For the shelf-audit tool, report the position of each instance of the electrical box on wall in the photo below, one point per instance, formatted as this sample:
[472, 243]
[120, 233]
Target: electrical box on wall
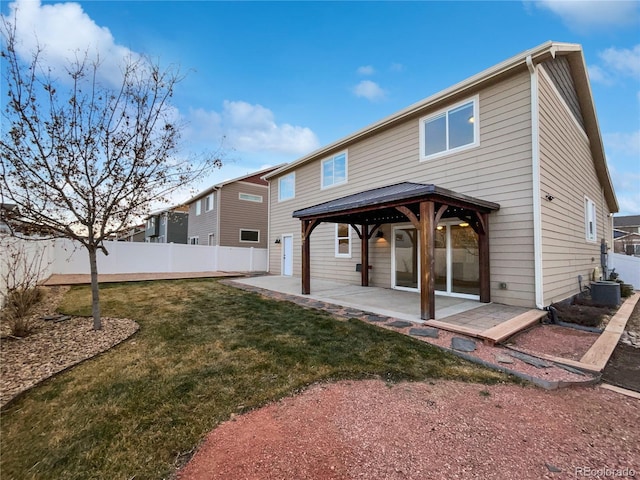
[502, 286]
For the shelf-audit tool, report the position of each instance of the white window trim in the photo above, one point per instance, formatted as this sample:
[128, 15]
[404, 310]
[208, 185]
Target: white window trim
[198, 207]
[210, 203]
[346, 170]
[249, 230]
[197, 240]
[337, 243]
[210, 239]
[476, 128]
[280, 199]
[250, 197]
[590, 214]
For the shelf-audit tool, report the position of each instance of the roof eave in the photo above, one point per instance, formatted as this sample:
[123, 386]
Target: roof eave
[587, 105]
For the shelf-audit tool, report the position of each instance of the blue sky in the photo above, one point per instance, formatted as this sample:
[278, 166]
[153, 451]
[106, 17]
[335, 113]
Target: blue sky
[279, 80]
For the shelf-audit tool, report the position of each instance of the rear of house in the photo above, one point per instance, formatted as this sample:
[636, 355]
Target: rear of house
[521, 135]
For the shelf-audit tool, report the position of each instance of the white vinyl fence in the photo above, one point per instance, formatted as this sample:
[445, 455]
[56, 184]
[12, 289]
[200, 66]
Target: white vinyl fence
[62, 256]
[627, 266]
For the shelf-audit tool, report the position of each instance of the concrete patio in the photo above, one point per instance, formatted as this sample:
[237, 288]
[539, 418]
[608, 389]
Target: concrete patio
[460, 315]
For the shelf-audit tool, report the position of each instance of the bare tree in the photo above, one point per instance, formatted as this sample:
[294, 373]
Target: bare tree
[82, 159]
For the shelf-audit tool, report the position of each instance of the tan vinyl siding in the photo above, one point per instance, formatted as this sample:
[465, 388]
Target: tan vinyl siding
[498, 170]
[568, 174]
[204, 224]
[239, 214]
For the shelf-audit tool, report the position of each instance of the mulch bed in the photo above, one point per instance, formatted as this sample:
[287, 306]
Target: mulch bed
[53, 346]
[623, 369]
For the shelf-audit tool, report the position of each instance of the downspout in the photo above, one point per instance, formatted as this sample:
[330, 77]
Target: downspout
[217, 198]
[535, 158]
[269, 226]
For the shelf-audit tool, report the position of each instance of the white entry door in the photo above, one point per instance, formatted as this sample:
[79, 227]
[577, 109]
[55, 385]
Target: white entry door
[287, 255]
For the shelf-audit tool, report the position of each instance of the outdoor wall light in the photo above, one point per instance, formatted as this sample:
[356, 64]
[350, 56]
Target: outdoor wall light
[549, 197]
[277, 240]
[464, 224]
[379, 234]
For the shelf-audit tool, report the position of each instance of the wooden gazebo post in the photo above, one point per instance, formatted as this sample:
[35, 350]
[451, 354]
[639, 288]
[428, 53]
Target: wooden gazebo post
[483, 257]
[427, 261]
[307, 228]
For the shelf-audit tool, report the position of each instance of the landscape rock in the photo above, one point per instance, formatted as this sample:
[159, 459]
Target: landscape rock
[424, 332]
[399, 324]
[503, 359]
[463, 344]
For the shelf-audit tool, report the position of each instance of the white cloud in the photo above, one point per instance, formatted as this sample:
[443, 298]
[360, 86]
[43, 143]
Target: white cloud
[625, 174]
[251, 128]
[629, 203]
[598, 75]
[396, 67]
[369, 90]
[627, 144]
[366, 70]
[615, 65]
[582, 16]
[623, 61]
[65, 32]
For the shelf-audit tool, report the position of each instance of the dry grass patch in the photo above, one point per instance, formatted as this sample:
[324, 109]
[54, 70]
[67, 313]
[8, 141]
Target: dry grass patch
[204, 352]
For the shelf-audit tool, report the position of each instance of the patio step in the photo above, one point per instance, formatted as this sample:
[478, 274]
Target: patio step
[506, 329]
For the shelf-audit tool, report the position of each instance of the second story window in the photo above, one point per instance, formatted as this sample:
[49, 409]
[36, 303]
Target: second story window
[287, 187]
[198, 211]
[248, 197]
[449, 130]
[208, 203]
[334, 170]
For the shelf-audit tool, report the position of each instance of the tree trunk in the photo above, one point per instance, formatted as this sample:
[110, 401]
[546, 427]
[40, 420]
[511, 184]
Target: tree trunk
[95, 293]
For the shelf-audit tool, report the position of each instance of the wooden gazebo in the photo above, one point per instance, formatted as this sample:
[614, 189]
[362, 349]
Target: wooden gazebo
[424, 205]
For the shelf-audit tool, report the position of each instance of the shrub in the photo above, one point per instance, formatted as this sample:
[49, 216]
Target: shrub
[18, 305]
[21, 267]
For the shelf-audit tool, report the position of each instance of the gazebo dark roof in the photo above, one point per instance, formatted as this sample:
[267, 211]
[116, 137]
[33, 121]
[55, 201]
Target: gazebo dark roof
[378, 204]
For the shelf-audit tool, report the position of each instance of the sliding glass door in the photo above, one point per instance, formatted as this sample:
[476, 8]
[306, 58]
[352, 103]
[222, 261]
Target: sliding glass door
[456, 259]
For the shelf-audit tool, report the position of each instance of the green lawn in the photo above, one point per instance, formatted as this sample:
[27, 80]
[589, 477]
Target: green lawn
[204, 351]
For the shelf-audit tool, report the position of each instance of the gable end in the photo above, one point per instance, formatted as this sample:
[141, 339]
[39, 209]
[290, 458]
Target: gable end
[560, 74]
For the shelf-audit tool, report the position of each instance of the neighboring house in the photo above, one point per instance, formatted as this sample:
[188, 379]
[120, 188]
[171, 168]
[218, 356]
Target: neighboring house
[12, 223]
[231, 214]
[627, 235]
[167, 226]
[494, 189]
[133, 234]
[8, 212]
